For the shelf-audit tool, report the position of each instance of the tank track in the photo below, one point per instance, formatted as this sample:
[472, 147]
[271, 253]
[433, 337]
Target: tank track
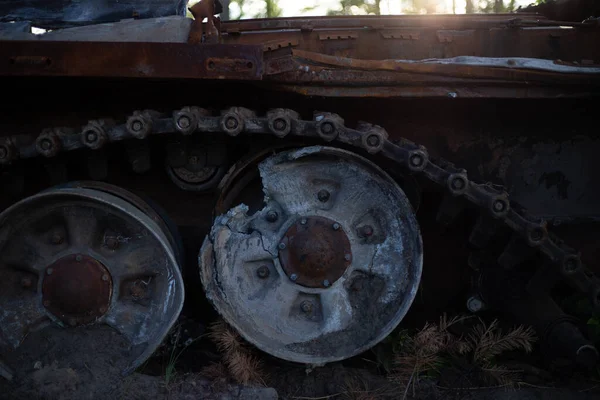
[492, 200]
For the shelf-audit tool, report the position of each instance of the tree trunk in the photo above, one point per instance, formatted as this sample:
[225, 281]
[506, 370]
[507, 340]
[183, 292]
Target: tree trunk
[470, 8]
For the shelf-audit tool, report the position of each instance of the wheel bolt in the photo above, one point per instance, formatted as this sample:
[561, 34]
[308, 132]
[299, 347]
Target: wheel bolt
[326, 283]
[272, 216]
[49, 271]
[78, 258]
[365, 231]
[294, 277]
[347, 257]
[303, 221]
[263, 272]
[306, 307]
[102, 310]
[323, 195]
[105, 278]
[281, 246]
[111, 242]
[336, 226]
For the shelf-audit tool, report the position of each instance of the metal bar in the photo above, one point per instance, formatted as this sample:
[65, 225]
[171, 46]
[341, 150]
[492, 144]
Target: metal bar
[131, 60]
[375, 22]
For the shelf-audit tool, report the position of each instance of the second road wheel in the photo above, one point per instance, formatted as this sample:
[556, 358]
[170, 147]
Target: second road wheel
[85, 255]
[327, 268]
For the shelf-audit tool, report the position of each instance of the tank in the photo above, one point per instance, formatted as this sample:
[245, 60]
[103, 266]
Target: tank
[320, 180]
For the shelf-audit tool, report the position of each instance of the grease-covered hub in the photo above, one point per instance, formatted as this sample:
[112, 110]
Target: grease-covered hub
[315, 252]
[77, 289]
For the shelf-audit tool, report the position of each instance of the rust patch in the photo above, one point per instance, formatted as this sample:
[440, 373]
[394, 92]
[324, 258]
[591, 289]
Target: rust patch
[77, 289]
[315, 252]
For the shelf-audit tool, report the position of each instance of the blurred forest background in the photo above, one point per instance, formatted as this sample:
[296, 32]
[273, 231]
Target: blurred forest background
[243, 9]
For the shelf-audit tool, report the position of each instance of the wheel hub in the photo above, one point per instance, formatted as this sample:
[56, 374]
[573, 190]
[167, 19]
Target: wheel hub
[315, 252]
[77, 289]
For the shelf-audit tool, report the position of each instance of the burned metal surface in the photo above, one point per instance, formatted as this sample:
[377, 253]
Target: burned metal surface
[246, 265]
[131, 60]
[315, 251]
[77, 289]
[72, 255]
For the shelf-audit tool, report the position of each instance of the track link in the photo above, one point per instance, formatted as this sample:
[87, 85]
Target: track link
[492, 200]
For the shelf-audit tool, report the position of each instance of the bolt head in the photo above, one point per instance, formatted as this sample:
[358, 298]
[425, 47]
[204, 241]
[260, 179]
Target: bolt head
[102, 309]
[137, 125]
[366, 231]
[184, 122]
[231, 123]
[373, 140]
[263, 272]
[323, 195]
[111, 242]
[458, 184]
[91, 137]
[306, 307]
[49, 271]
[281, 246]
[416, 160]
[499, 206]
[272, 216]
[78, 258]
[336, 226]
[347, 257]
[326, 283]
[279, 124]
[105, 278]
[303, 221]
[46, 144]
[294, 277]
[327, 128]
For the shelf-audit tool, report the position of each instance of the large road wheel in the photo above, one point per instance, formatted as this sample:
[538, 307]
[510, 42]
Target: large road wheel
[88, 254]
[327, 268]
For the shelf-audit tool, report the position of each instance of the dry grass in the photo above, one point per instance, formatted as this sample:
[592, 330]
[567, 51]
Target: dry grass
[239, 360]
[434, 346]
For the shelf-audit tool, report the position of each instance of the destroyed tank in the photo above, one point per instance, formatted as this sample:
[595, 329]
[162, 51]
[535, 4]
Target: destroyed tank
[318, 179]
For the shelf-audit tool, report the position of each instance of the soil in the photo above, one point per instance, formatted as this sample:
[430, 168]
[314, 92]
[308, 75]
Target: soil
[86, 363]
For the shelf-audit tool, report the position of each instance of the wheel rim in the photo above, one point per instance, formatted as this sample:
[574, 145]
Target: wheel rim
[327, 268]
[77, 256]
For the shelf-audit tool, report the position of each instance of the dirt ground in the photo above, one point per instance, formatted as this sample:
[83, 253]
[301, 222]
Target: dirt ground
[86, 363]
